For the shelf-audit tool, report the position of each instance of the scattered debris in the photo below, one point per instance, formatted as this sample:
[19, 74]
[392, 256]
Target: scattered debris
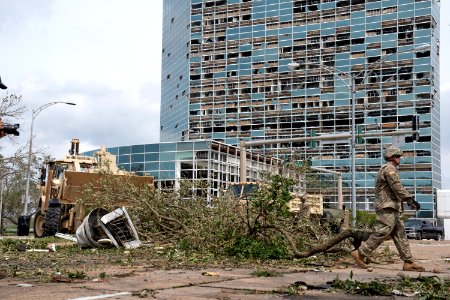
[101, 229]
[59, 278]
[437, 271]
[77, 275]
[369, 269]
[102, 296]
[120, 229]
[69, 237]
[300, 287]
[22, 247]
[144, 293]
[91, 231]
[24, 285]
[372, 288]
[210, 274]
[427, 287]
[405, 294]
[51, 247]
[319, 269]
[106, 242]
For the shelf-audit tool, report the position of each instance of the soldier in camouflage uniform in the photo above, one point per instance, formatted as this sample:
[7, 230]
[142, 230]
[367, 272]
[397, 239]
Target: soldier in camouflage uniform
[389, 197]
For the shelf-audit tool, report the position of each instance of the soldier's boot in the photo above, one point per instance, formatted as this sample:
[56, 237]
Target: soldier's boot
[3, 275]
[370, 260]
[359, 259]
[412, 266]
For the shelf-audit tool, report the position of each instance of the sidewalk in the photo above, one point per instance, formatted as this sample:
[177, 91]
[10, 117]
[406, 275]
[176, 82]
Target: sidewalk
[228, 283]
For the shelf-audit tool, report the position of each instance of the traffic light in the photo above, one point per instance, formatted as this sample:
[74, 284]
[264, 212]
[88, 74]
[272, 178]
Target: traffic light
[415, 127]
[359, 140]
[313, 144]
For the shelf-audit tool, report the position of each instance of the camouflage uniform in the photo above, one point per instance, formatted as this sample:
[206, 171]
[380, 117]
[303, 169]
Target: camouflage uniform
[389, 197]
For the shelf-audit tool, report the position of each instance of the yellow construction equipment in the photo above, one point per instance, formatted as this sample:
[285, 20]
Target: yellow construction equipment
[62, 182]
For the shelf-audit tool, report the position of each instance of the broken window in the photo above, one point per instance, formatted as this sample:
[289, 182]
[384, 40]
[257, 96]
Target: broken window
[299, 6]
[358, 41]
[389, 30]
[426, 25]
[423, 54]
[373, 59]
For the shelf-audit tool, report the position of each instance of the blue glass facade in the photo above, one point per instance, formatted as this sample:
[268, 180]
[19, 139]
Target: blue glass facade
[175, 70]
[239, 86]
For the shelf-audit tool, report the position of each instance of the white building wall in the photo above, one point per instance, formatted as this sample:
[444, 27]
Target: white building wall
[443, 204]
[443, 210]
[447, 229]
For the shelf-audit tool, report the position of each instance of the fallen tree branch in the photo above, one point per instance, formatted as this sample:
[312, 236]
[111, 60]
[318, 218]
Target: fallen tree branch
[356, 234]
[159, 217]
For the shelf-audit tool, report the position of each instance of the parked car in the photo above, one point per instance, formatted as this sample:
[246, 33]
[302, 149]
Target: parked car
[422, 229]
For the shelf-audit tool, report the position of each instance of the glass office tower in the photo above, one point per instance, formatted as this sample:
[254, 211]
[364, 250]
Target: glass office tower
[225, 77]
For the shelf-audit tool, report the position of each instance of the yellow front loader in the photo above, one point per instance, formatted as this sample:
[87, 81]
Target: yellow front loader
[62, 182]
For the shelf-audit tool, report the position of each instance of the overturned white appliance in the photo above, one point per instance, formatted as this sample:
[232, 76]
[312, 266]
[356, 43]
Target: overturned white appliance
[119, 228]
[101, 229]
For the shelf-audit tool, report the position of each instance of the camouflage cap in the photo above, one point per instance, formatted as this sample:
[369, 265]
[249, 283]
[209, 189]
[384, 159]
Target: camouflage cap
[392, 151]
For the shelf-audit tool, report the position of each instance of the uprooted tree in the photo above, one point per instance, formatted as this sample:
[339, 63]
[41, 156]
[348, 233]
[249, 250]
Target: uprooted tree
[262, 227]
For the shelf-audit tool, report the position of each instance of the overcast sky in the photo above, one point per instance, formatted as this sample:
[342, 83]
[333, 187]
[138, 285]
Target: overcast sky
[105, 55]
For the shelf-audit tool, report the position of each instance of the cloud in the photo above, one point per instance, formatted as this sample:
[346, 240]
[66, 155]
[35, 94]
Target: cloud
[445, 159]
[105, 55]
[102, 116]
[17, 14]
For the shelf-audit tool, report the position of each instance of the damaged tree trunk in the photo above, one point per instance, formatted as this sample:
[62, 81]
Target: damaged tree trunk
[357, 235]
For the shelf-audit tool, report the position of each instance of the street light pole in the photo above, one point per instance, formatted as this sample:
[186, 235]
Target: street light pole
[353, 144]
[30, 146]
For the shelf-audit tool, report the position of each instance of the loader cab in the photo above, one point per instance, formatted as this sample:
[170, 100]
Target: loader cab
[42, 176]
[59, 170]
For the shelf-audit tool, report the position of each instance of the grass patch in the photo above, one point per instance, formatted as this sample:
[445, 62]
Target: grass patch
[265, 273]
[250, 247]
[423, 287]
[77, 275]
[371, 288]
[13, 245]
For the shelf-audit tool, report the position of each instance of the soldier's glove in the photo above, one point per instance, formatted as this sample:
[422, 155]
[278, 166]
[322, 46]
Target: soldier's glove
[415, 204]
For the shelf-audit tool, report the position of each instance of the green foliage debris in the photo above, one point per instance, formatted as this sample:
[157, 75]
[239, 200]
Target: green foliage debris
[422, 287]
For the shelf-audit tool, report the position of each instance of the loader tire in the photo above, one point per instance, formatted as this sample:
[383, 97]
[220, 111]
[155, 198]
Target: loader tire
[52, 218]
[38, 226]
